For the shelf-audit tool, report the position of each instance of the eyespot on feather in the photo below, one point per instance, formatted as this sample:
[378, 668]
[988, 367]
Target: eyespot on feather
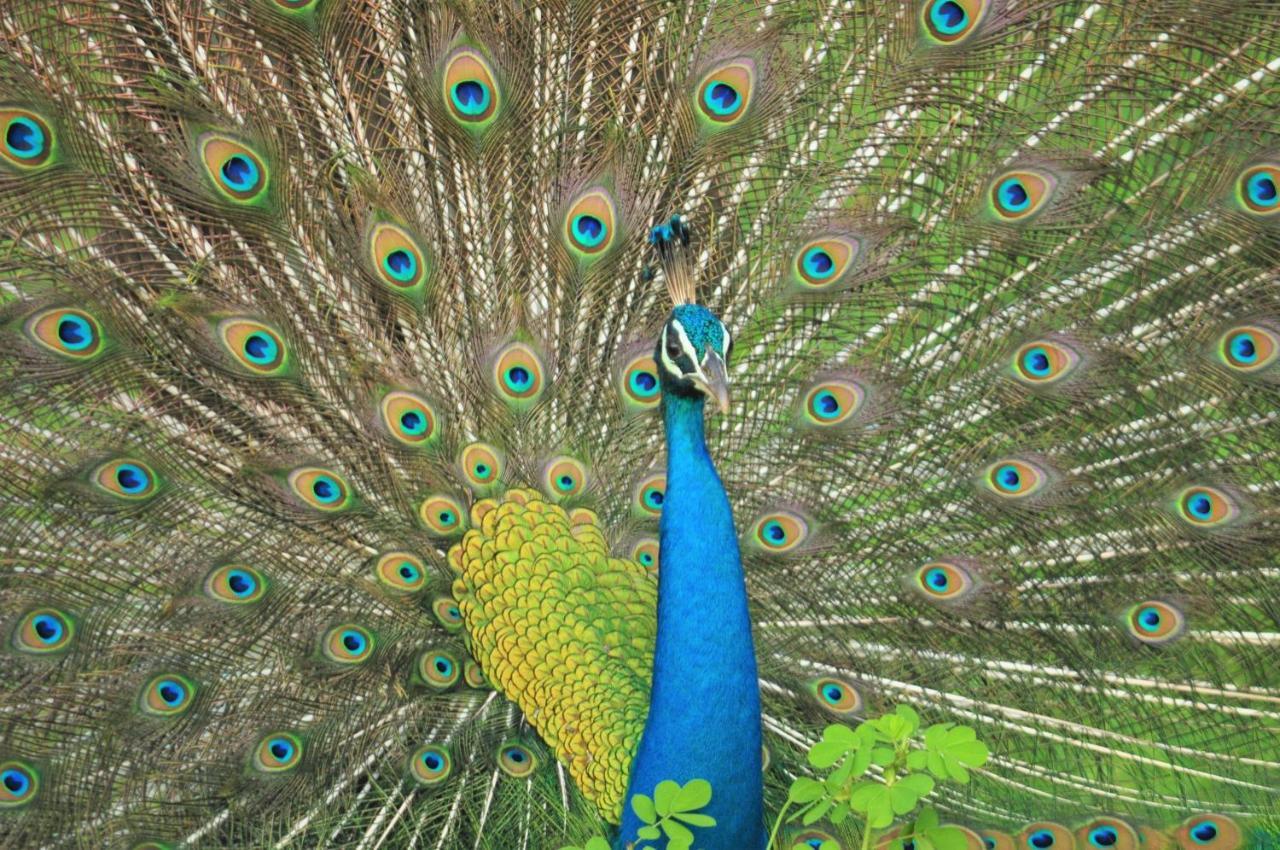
[1013, 479]
[1258, 189]
[237, 172]
[43, 631]
[943, 581]
[649, 494]
[438, 669]
[430, 765]
[409, 418]
[590, 224]
[516, 760]
[1209, 832]
[397, 258]
[28, 139]
[638, 383]
[564, 477]
[237, 584]
[724, 94]
[1043, 361]
[821, 263]
[1206, 507]
[258, 348]
[1248, 348]
[66, 331]
[645, 552]
[126, 478]
[442, 515]
[950, 22]
[778, 532]
[348, 644]
[471, 91]
[518, 375]
[473, 675]
[19, 784]
[1019, 195]
[996, 840]
[321, 489]
[1106, 833]
[810, 838]
[836, 696]
[1045, 835]
[400, 572]
[167, 695]
[447, 612]
[1155, 622]
[832, 402]
[481, 466]
[277, 752]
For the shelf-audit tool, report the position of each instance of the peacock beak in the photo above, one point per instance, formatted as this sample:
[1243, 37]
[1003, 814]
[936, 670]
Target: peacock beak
[716, 383]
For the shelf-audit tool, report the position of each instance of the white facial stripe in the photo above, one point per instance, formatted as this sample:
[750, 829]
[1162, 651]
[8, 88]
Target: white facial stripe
[671, 367]
[688, 349]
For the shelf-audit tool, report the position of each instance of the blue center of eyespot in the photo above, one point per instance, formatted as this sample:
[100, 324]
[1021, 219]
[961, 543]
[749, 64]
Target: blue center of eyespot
[408, 572]
[814, 843]
[949, 17]
[818, 263]
[171, 692]
[1008, 478]
[1149, 619]
[990, 842]
[400, 264]
[653, 497]
[1244, 348]
[16, 782]
[446, 517]
[1204, 832]
[644, 383]
[519, 378]
[588, 230]
[774, 531]
[646, 559]
[353, 641]
[908, 845]
[1262, 190]
[131, 478]
[432, 761]
[515, 755]
[721, 98]
[1013, 195]
[260, 348]
[325, 489]
[1103, 836]
[826, 405]
[1036, 361]
[565, 482]
[1200, 506]
[454, 613]
[240, 582]
[47, 628]
[832, 693]
[1042, 838]
[281, 749]
[239, 172]
[937, 579]
[482, 470]
[24, 138]
[443, 666]
[471, 97]
[413, 423]
[74, 332]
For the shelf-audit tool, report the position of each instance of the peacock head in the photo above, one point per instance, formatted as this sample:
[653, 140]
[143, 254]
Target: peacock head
[691, 355]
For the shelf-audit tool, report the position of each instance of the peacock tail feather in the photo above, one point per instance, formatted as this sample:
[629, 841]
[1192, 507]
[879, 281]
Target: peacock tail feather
[331, 459]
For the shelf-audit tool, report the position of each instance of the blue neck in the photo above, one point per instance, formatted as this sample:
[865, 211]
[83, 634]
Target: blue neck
[704, 712]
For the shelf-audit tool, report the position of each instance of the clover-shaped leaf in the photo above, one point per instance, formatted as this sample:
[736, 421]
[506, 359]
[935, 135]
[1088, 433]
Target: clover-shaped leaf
[953, 751]
[642, 805]
[678, 836]
[695, 794]
[837, 742]
[664, 796]
[804, 790]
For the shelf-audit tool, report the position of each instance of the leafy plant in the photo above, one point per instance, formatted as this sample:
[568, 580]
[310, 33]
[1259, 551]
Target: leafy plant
[910, 767]
[671, 811]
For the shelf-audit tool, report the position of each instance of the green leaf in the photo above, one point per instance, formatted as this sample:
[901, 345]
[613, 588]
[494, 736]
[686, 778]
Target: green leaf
[873, 800]
[917, 760]
[695, 794]
[894, 728]
[927, 819]
[953, 751]
[597, 843]
[649, 832]
[908, 714]
[947, 838]
[695, 819]
[805, 790]
[882, 756]
[664, 796]
[643, 806]
[678, 836]
[817, 812]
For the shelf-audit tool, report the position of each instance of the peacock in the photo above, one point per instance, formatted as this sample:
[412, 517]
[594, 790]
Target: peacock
[440, 424]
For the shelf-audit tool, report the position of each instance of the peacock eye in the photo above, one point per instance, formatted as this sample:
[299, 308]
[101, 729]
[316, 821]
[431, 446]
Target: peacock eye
[673, 348]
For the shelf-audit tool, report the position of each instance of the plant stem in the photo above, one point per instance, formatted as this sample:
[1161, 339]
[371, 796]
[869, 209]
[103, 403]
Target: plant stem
[777, 824]
[866, 837]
